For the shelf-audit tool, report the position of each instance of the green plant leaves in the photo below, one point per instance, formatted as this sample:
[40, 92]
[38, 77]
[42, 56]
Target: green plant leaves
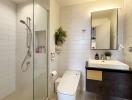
[60, 36]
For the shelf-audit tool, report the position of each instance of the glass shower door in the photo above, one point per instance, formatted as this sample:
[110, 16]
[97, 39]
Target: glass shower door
[40, 51]
[16, 50]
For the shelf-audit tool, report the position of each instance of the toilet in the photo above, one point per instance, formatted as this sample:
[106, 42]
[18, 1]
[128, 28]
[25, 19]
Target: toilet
[69, 86]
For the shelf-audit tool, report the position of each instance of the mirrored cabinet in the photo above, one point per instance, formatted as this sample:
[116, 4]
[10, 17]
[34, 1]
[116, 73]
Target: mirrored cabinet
[104, 30]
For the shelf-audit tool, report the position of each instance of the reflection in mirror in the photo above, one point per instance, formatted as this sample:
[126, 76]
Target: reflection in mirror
[104, 30]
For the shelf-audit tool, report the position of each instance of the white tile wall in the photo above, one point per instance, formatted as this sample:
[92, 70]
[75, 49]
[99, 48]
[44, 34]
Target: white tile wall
[7, 47]
[128, 31]
[76, 50]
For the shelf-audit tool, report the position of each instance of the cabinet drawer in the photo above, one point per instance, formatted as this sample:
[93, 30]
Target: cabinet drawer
[94, 75]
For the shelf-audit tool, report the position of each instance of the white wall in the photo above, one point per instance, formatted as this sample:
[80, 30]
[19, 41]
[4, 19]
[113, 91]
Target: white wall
[128, 31]
[53, 26]
[76, 50]
[7, 47]
[40, 17]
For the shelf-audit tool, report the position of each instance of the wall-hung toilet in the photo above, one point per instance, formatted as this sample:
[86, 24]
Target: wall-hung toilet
[69, 86]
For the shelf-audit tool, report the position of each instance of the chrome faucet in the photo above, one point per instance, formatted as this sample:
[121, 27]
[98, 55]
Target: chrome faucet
[102, 57]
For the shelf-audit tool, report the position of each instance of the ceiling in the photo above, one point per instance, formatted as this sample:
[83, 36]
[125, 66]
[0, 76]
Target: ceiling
[61, 2]
[72, 2]
[19, 1]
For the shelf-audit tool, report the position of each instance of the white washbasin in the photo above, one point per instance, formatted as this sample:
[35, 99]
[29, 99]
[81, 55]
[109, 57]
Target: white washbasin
[108, 64]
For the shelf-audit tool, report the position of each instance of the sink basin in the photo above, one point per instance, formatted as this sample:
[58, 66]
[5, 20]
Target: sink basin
[108, 64]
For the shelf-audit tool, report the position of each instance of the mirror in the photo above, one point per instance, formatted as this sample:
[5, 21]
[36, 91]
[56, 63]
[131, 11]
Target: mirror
[104, 29]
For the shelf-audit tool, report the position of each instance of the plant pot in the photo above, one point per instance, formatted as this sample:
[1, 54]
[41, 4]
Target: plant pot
[108, 57]
[59, 43]
[58, 49]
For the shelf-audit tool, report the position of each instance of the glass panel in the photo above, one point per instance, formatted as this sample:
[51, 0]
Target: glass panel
[16, 50]
[40, 51]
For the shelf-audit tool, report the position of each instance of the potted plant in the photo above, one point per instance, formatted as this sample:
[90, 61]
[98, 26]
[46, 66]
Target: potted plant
[108, 55]
[60, 37]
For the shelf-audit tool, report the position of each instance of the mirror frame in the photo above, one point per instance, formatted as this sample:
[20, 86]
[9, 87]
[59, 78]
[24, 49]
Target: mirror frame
[117, 26]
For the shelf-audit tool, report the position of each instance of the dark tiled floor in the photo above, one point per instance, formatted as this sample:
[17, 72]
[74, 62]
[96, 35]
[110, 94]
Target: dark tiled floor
[88, 96]
[91, 96]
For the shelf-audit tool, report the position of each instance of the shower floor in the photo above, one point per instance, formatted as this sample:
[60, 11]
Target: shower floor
[20, 95]
[26, 92]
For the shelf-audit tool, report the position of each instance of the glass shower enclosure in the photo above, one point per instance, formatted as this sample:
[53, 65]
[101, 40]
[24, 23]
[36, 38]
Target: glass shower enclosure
[23, 50]
[40, 50]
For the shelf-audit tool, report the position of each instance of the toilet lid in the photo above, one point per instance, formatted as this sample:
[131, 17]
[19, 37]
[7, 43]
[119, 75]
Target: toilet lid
[69, 83]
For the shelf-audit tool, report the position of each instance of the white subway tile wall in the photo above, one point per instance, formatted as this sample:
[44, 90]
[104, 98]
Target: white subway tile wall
[7, 47]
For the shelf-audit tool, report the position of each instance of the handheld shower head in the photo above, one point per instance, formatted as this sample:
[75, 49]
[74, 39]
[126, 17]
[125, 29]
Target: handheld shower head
[22, 21]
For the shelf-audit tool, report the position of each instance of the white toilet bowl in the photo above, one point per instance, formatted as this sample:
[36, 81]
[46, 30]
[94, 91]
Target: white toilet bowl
[68, 88]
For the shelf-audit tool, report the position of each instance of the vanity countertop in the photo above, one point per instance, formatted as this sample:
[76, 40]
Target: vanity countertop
[107, 65]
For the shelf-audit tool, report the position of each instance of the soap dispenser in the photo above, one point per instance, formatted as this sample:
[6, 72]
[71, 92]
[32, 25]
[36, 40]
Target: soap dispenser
[97, 56]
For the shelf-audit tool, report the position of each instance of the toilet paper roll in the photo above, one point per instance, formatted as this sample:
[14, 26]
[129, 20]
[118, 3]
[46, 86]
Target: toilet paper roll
[54, 75]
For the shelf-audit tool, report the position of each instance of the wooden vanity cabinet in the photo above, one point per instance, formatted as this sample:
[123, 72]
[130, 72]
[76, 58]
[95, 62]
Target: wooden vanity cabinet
[114, 83]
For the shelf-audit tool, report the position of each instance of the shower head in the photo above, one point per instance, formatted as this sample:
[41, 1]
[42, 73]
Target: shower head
[22, 21]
